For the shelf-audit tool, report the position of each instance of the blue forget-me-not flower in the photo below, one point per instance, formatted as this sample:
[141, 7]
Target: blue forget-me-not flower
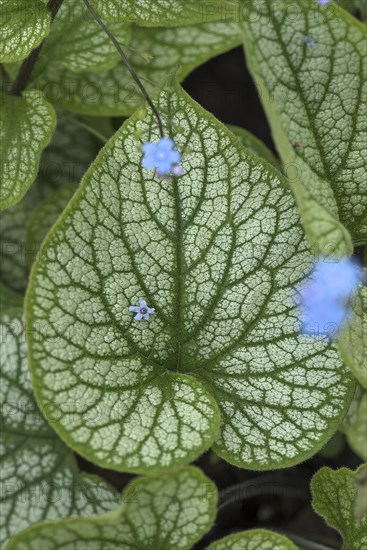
[308, 41]
[324, 300]
[142, 310]
[162, 156]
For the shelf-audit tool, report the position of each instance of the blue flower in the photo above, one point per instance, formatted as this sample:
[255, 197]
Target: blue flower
[142, 310]
[162, 156]
[323, 2]
[308, 41]
[324, 301]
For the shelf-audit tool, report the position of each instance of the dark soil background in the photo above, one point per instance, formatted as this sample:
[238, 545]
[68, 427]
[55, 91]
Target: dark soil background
[281, 499]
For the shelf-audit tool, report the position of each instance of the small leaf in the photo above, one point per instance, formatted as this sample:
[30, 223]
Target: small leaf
[318, 121]
[111, 93]
[340, 496]
[256, 539]
[26, 127]
[152, 13]
[162, 513]
[40, 478]
[352, 342]
[254, 144]
[14, 254]
[23, 25]
[217, 252]
[355, 423]
[78, 43]
[43, 218]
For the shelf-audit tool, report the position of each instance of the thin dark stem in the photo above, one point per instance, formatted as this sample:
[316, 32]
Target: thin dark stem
[128, 65]
[28, 64]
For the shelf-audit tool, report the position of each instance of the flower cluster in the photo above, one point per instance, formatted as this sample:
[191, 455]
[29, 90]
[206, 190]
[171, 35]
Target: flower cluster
[324, 300]
[163, 157]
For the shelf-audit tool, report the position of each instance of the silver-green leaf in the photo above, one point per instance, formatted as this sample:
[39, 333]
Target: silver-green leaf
[308, 62]
[218, 253]
[23, 25]
[169, 512]
[256, 539]
[352, 342]
[78, 43]
[340, 496]
[26, 127]
[154, 53]
[153, 13]
[39, 476]
[355, 423]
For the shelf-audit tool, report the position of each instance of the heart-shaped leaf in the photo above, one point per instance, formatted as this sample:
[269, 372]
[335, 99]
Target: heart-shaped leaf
[308, 62]
[256, 539]
[40, 478]
[340, 496]
[355, 423]
[26, 127]
[23, 25]
[155, 53]
[152, 13]
[77, 42]
[167, 512]
[217, 252]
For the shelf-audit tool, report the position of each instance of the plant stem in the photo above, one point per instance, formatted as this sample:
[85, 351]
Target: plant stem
[128, 65]
[28, 64]
[305, 544]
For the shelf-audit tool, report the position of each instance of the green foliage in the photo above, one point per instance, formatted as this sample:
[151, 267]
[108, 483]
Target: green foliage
[167, 512]
[13, 233]
[155, 54]
[43, 217]
[255, 145]
[340, 496]
[23, 25]
[40, 478]
[314, 97]
[78, 43]
[225, 333]
[355, 423]
[353, 340]
[164, 12]
[26, 127]
[257, 539]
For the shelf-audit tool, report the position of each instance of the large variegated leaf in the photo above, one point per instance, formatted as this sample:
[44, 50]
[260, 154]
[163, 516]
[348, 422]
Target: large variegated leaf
[157, 513]
[353, 340]
[218, 253]
[340, 496]
[314, 94]
[155, 53]
[167, 12]
[26, 127]
[39, 475]
[78, 43]
[23, 25]
[257, 539]
[355, 423]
